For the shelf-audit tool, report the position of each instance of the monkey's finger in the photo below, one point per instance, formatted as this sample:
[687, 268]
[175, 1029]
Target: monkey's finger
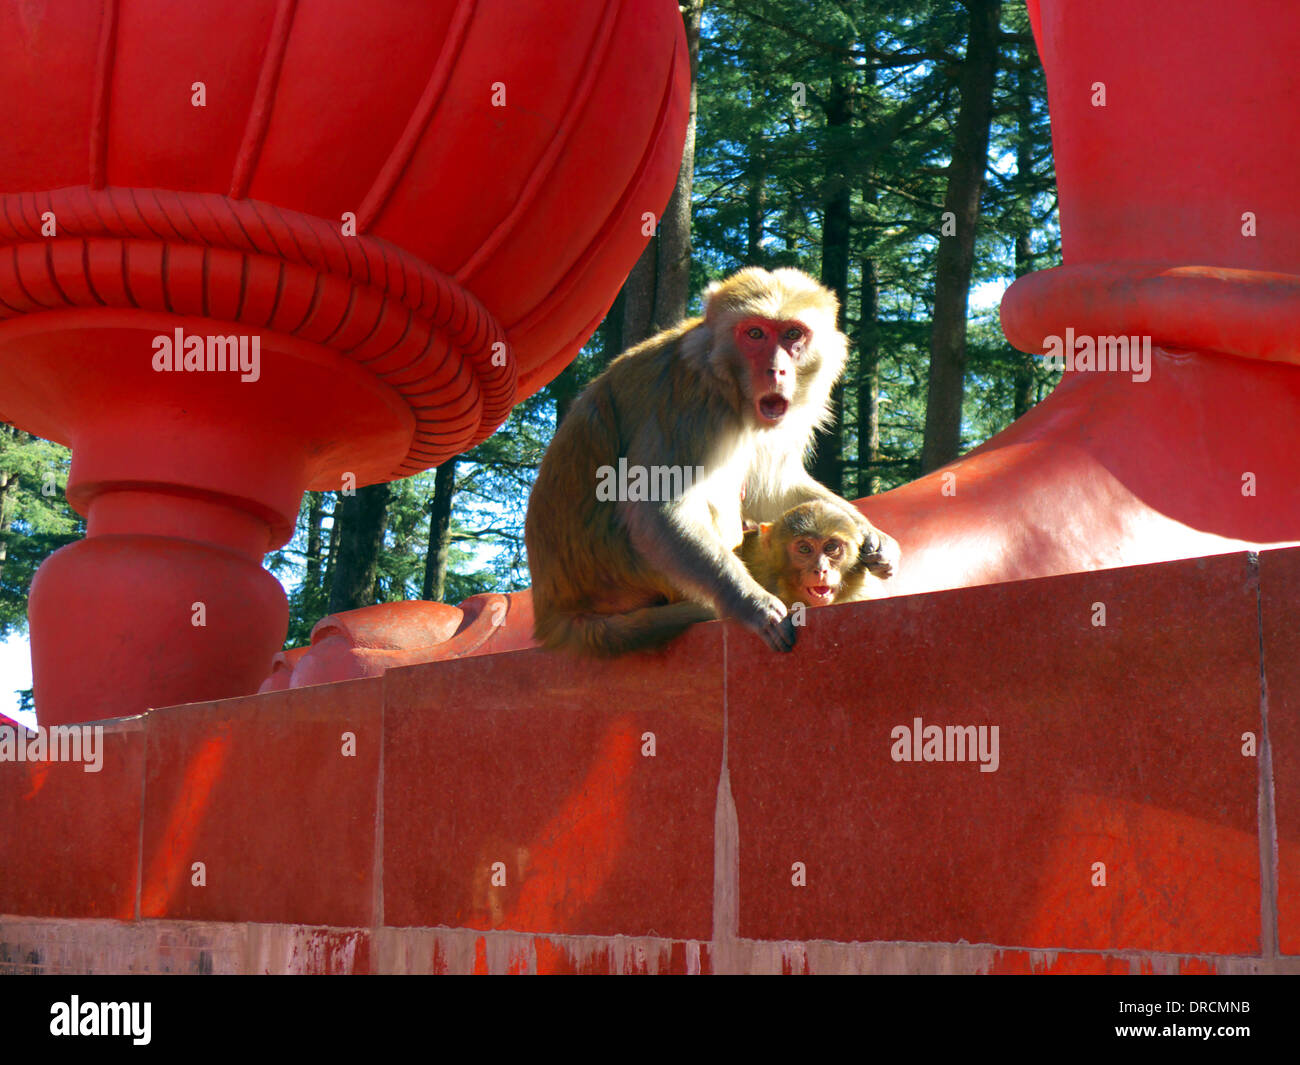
[880, 566]
[781, 636]
[883, 560]
[788, 632]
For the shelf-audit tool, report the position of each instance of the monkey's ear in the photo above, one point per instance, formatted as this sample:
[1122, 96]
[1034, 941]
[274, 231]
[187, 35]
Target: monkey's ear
[706, 298]
[698, 343]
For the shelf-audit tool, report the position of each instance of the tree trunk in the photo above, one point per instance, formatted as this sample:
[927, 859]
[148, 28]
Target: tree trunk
[7, 481]
[611, 334]
[639, 297]
[365, 516]
[332, 545]
[956, 254]
[435, 562]
[868, 383]
[658, 288]
[827, 465]
[756, 204]
[565, 388]
[1024, 376]
[315, 516]
[673, 266]
[9, 488]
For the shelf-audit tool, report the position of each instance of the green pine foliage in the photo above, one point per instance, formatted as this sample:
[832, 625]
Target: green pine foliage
[35, 518]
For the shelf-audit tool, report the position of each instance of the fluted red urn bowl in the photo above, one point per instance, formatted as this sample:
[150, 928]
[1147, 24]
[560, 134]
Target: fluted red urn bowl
[255, 248]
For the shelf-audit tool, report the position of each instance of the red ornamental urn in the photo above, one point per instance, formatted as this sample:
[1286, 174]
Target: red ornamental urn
[260, 247]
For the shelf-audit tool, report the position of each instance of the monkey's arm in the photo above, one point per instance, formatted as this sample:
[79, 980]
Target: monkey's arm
[687, 551]
[758, 561]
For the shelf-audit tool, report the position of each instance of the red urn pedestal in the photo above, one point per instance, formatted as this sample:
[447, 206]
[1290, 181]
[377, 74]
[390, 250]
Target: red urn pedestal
[414, 215]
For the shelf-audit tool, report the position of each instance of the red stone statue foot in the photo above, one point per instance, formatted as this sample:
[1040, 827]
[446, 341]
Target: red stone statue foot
[1109, 472]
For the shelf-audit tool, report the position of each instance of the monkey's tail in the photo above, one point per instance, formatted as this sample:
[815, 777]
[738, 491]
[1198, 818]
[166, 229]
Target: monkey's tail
[616, 634]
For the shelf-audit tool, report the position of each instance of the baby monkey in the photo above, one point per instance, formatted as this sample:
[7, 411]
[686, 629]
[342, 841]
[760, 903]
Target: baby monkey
[812, 555]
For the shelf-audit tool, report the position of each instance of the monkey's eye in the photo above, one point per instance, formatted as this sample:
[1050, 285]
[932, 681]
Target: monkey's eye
[833, 548]
[793, 334]
[755, 333]
[805, 548]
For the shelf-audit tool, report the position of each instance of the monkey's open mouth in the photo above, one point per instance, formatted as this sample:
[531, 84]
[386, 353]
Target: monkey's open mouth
[820, 594]
[772, 408]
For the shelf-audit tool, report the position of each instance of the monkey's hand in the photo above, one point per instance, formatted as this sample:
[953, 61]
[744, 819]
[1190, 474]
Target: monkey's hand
[690, 554]
[769, 618]
[880, 552]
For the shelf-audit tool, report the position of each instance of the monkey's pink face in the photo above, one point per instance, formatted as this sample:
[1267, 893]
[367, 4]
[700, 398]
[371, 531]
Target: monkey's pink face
[772, 349]
[819, 564]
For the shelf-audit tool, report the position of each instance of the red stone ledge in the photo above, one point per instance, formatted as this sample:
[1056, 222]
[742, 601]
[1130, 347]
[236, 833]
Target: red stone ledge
[1118, 744]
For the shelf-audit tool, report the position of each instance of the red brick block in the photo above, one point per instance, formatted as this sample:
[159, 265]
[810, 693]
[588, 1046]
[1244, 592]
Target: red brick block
[264, 793]
[519, 792]
[1279, 578]
[71, 844]
[1119, 756]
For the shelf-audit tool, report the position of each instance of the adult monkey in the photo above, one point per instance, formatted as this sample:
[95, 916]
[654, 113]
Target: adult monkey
[735, 396]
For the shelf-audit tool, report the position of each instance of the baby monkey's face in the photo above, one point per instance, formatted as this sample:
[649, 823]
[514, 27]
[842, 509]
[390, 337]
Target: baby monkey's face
[815, 568]
[813, 555]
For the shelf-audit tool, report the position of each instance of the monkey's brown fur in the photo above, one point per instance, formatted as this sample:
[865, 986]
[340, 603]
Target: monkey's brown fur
[611, 576]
